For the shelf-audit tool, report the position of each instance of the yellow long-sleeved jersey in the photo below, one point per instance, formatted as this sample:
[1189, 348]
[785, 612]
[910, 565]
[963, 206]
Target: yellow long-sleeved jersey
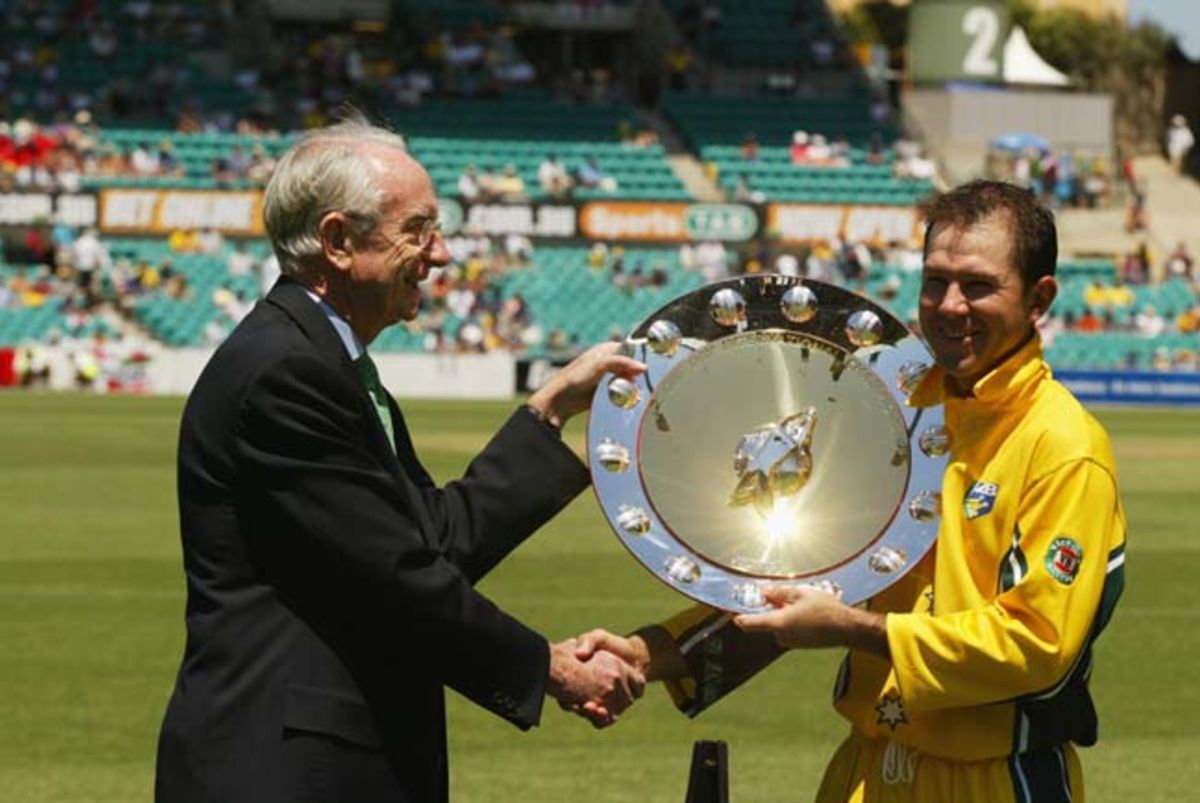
[990, 635]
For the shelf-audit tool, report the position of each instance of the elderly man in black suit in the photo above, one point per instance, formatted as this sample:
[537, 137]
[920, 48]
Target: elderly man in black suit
[330, 582]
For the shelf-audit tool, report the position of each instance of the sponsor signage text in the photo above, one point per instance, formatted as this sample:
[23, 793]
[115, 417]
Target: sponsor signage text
[164, 211]
[25, 208]
[810, 223]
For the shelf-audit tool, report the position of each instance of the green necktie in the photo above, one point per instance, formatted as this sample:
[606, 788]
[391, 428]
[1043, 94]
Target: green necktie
[370, 376]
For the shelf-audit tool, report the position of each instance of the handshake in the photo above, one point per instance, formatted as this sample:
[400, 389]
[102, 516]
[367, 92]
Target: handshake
[598, 675]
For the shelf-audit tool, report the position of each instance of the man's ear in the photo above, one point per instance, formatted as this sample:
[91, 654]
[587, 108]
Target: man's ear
[336, 245]
[1044, 291]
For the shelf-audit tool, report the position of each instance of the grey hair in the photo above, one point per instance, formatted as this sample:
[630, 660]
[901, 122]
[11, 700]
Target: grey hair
[324, 171]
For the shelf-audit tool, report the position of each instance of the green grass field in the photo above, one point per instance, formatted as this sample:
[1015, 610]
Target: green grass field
[91, 628]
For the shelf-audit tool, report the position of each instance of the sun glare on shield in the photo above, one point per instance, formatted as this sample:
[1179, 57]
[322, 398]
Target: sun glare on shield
[780, 524]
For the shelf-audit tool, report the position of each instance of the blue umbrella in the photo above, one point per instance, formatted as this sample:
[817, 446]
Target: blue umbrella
[1020, 142]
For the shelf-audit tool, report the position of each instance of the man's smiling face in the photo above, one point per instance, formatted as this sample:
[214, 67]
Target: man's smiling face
[975, 310]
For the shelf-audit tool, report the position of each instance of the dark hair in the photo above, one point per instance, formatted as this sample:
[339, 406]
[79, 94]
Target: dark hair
[1031, 225]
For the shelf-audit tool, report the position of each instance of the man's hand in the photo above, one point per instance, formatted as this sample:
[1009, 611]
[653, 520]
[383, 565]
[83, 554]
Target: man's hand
[650, 650]
[570, 390]
[599, 689]
[806, 618]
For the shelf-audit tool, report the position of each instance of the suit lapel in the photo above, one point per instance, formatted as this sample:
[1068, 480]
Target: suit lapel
[292, 297]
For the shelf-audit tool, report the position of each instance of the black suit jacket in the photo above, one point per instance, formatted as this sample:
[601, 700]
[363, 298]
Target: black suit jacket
[329, 582]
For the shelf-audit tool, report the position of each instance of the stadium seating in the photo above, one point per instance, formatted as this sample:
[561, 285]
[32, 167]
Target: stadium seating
[1115, 350]
[716, 126]
[135, 57]
[779, 180]
[714, 120]
[640, 173]
[37, 317]
[764, 33]
[526, 115]
[455, 15]
[562, 292]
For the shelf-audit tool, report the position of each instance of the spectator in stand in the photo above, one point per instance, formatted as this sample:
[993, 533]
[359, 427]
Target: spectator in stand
[875, 149]
[1089, 321]
[1023, 170]
[1188, 321]
[268, 273]
[821, 264]
[1049, 177]
[798, 152]
[258, 171]
[1148, 323]
[687, 257]
[1135, 214]
[1179, 142]
[905, 255]
[711, 17]
[168, 162]
[222, 173]
[839, 152]
[658, 274]
[1098, 295]
[510, 187]
[460, 299]
[469, 188]
[1136, 269]
[786, 264]
[209, 241]
[559, 345]
[854, 263]
[822, 50]
[1095, 184]
[616, 266]
[679, 60]
[591, 176]
[183, 241]
[750, 146]
[240, 261]
[819, 152]
[176, 288]
[553, 177]
[890, 289]
[239, 161]
[144, 160]
[90, 257]
[1128, 172]
[1180, 264]
[1161, 359]
[517, 249]
[515, 326]
[712, 258]
[744, 193]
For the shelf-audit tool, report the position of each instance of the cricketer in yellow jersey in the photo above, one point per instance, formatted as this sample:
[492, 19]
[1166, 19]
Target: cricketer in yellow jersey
[967, 680]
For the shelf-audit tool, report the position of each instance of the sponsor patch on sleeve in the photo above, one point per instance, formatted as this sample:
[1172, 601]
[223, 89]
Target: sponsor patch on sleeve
[980, 499]
[1063, 559]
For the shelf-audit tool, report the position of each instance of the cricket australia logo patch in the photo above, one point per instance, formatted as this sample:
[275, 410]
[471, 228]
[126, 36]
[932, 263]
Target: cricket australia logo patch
[891, 711]
[1063, 559]
[980, 499]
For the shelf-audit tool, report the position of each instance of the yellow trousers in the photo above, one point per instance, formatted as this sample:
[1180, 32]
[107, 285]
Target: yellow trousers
[868, 771]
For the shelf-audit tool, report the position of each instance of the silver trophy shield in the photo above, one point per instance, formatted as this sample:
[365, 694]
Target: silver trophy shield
[770, 442]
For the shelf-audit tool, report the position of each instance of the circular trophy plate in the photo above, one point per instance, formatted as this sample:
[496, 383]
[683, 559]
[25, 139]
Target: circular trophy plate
[770, 442]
